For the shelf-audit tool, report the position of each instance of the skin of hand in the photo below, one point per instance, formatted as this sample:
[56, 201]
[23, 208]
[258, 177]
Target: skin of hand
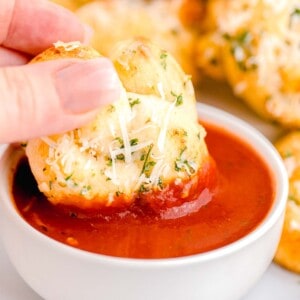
[48, 97]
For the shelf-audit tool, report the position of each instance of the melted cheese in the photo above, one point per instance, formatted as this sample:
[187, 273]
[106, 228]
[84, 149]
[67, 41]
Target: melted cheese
[82, 150]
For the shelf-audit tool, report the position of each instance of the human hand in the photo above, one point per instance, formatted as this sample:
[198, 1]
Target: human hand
[49, 97]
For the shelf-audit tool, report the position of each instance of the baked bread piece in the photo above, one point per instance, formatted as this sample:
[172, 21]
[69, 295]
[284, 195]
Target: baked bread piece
[163, 22]
[288, 252]
[254, 45]
[149, 141]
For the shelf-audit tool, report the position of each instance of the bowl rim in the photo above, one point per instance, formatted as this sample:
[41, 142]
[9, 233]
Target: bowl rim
[210, 115]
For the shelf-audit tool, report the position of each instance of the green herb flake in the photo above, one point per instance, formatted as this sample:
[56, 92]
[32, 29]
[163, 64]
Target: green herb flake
[85, 189]
[243, 37]
[163, 59]
[133, 102]
[120, 140]
[109, 162]
[68, 177]
[149, 166]
[160, 183]
[182, 164]
[293, 198]
[240, 48]
[296, 12]
[178, 98]
[134, 142]
[147, 163]
[111, 108]
[143, 189]
[120, 157]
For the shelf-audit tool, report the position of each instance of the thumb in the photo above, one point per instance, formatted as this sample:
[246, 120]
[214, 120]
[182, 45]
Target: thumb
[54, 96]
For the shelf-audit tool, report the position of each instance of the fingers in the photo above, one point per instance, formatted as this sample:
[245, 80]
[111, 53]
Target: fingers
[12, 58]
[51, 97]
[32, 26]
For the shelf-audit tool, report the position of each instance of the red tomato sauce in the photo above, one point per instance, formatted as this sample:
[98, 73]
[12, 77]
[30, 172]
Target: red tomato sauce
[223, 213]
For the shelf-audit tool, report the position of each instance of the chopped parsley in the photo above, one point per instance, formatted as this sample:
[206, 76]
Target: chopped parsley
[240, 48]
[85, 189]
[108, 161]
[178, 98]
[68, 177]
[120, 157]
[293, 198]
[199, 135]
[133, 102]
[296, 12]
[143, 188]
[182, 164]
[148, 164]
[111, 108]
[163, 59]
[134, 142]
[160, 183]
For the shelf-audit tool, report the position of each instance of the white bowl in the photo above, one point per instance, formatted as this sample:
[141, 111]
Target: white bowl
[56, 271]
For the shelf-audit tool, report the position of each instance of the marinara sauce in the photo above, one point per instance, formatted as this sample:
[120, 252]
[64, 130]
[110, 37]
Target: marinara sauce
[240, 200]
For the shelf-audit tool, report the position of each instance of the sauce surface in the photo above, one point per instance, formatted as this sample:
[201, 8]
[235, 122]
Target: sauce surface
[222, 213]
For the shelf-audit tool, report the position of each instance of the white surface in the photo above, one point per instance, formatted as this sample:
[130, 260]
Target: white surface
[276, 284]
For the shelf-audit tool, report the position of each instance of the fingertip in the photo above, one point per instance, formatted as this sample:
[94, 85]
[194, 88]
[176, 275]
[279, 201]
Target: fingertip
[88, 33]
[35, 25]
[87, 85]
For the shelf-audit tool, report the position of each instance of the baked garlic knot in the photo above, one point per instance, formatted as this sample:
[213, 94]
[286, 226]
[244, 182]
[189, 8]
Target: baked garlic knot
[288, 254]
[147, 146]
[163, 22]
[254, 45]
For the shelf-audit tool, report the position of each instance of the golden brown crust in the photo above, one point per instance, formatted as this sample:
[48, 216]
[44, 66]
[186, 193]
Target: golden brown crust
[288, 252]
[62, 50]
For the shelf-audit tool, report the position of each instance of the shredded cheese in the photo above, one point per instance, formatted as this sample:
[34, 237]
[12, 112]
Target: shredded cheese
[163, 131]
[70, 46]
[160, 89]
[125, 138]
[156, 172]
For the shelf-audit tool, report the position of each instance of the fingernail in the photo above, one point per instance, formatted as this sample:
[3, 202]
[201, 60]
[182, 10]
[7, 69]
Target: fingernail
[87, 85]
[88, 33]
